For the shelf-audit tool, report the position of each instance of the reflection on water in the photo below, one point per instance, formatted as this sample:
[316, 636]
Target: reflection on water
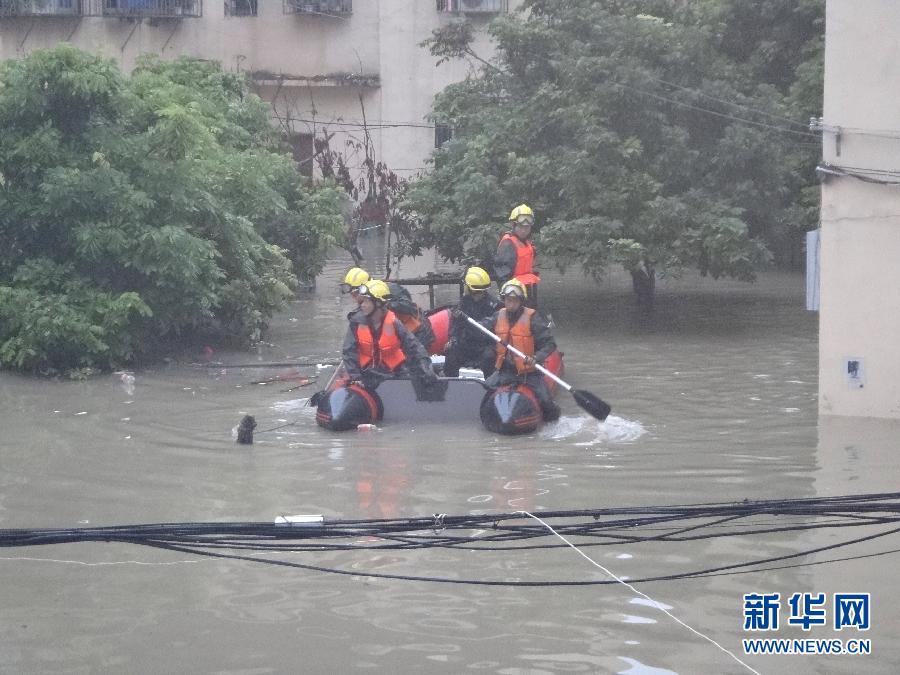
[714, 399]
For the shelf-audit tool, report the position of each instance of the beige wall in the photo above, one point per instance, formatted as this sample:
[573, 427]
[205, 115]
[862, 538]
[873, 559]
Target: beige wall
[860, 244]
[380, 38]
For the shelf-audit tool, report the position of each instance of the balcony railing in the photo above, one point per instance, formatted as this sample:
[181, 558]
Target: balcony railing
[40, 8]
[473, 6]
[333, 7]
[137, 9]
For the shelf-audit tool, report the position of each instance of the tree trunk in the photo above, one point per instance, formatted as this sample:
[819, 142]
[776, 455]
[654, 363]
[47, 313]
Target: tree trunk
[643, 281]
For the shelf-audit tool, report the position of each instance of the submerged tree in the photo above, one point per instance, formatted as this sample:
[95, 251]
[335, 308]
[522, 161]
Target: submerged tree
[136, 210]
[635, 137]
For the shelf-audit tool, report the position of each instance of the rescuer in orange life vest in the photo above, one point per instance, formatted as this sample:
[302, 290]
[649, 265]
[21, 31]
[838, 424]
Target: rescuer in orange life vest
[377, 344]
[515, 253]
[401, 303]
[410, 315]
[526, 330]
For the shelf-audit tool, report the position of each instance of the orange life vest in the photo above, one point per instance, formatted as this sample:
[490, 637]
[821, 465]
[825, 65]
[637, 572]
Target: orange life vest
[524, 269]
[518, 335]
[410, 321]
[387, 351]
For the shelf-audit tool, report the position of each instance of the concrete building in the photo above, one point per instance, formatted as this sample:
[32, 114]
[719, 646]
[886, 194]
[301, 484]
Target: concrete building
[859, 330]
[322, 64]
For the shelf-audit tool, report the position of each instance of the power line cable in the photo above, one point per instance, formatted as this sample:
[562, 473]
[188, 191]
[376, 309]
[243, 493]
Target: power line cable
[700, 92]
[826, 169]
[805, 134]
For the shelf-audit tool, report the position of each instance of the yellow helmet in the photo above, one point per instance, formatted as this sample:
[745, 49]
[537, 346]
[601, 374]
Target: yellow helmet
[514, 287]
[354, 277]
[477, 279]
[375, 289]
[522, 213]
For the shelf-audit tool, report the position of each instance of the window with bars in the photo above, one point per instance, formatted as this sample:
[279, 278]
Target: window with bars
[145, 8]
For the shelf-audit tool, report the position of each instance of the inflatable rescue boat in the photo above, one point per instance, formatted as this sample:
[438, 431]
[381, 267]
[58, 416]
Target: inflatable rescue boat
[510, 409]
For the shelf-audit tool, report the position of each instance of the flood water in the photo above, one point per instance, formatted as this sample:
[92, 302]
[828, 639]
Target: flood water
[714, 400]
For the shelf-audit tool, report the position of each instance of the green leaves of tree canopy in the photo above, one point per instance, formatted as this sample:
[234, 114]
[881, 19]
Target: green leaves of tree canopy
[616, 122]
[134, 210]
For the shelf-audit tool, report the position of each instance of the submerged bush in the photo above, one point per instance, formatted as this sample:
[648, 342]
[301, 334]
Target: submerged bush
[136, 210]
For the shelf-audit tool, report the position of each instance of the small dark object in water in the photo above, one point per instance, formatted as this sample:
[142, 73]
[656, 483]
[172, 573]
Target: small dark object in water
[245, 430]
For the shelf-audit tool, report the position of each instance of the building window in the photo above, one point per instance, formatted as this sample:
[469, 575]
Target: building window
[241, 7]
[442, 134]
[150, 8]
[38, 7]
[302, 150]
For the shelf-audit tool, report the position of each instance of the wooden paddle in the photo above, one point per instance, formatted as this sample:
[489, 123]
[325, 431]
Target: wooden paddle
[594, 406]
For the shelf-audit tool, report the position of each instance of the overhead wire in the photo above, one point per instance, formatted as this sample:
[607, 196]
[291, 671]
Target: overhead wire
[805, 134]
[827, 169]
[744, 106]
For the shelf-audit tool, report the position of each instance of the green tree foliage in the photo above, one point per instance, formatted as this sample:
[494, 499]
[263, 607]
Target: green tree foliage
[137, 210]
[638, 138]
[782, 44]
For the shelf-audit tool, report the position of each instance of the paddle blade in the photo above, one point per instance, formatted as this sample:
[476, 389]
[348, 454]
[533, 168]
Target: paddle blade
[594, 406]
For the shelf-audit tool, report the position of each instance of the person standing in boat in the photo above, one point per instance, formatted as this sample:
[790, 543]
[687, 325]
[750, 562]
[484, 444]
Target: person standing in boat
[377, 344]
[525, 329]
[468, 346]
[515, 253]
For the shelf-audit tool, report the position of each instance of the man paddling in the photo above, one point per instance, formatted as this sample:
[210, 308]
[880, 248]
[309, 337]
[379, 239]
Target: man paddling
[377, 344]
[526, 330]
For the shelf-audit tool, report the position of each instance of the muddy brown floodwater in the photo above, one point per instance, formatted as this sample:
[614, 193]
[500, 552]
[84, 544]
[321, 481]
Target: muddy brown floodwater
[714, 399]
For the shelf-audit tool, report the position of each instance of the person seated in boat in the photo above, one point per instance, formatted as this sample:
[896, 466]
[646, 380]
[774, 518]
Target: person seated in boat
[401, 303]
[378, 346]
[410, 315]
[528, 331]
[468, 346]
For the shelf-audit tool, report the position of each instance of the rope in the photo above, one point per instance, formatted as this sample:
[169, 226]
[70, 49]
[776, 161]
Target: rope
[656, 604]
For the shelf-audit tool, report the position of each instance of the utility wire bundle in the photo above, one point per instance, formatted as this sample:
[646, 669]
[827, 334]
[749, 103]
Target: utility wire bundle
[877, 514]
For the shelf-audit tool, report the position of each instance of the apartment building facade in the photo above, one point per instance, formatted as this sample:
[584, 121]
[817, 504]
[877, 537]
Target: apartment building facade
[325, 66]
[859, 323]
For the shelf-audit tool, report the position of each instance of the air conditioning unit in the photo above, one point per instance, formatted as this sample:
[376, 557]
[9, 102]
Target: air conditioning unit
[472, 6]
[318, 6]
